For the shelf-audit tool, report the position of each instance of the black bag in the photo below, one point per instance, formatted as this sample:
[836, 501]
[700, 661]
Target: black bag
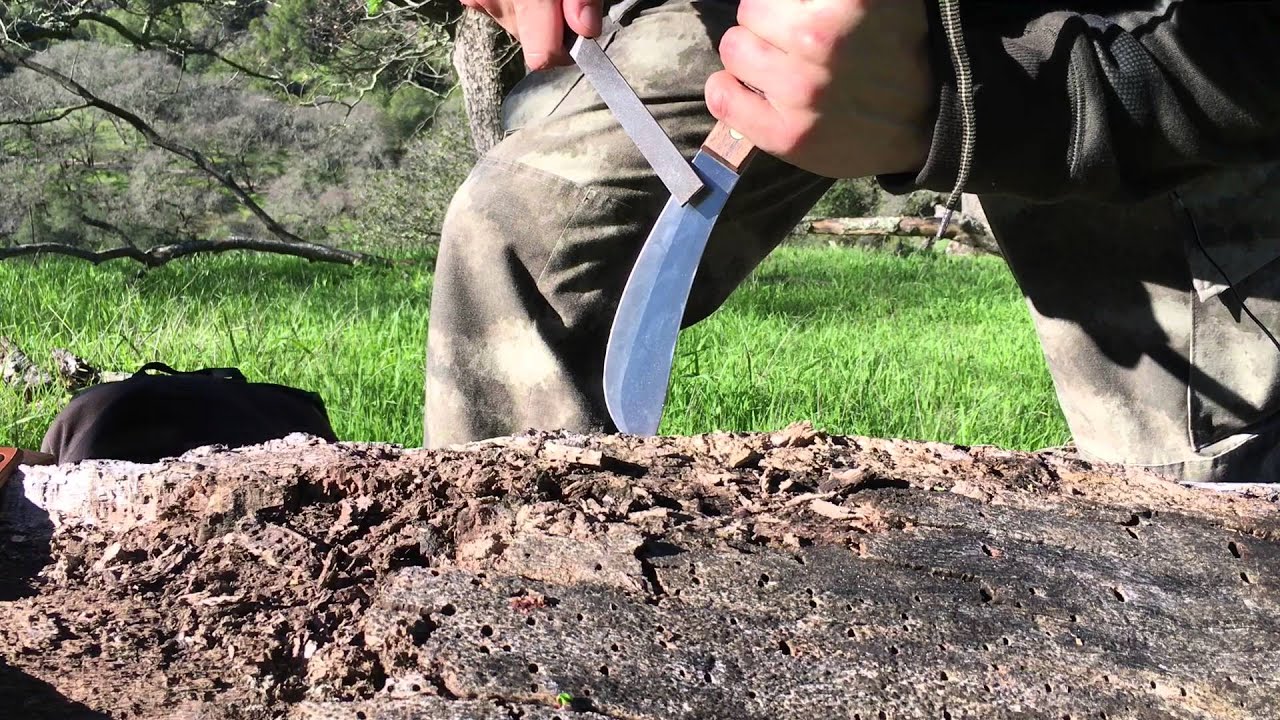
[148, 417]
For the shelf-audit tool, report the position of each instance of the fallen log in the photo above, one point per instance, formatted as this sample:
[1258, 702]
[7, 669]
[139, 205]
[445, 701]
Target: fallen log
[70, 371]
[792, 575]
[17, 370]
[961, 229]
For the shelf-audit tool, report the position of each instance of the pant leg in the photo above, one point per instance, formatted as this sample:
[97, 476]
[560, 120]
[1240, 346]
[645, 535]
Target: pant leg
[539, 241]
[1154, 360]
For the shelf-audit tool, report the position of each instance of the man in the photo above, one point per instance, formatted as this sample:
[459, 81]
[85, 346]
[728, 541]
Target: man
[1125, 152]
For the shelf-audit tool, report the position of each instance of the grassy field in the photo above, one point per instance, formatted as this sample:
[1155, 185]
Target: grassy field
[922, 347]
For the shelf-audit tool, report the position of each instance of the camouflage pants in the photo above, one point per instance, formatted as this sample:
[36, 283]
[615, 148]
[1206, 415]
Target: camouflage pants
[1154, 364]
[1154, 355]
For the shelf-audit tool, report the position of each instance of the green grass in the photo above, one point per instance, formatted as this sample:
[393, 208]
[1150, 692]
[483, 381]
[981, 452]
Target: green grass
[922, 347]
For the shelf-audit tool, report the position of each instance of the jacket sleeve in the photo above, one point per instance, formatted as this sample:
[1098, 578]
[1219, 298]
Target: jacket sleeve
[1113, 107]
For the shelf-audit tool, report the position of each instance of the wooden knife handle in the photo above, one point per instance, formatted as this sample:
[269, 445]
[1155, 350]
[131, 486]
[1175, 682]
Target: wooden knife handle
[10, 458]
[729, 147]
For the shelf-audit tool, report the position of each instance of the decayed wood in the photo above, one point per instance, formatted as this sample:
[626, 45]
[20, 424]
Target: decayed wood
[17, 370]
[792, 574]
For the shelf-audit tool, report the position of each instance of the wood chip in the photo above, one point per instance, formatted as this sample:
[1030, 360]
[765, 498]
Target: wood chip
[969, 490]
[743, 457]
[807, 497]
[107, 556]
[528, 602]
[574, 455]
[830, 510]
[798, 435]
[479, 548]
[849, 477]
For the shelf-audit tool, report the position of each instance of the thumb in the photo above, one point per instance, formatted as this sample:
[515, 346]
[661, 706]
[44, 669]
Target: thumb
[744, 110]
[583, 16]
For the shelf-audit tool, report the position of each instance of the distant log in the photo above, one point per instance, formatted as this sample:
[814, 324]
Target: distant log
[17, 370]
[962, 229]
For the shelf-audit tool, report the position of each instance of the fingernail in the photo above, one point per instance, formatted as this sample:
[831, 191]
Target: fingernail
[589, 16]
[537, 60]
[715, 101]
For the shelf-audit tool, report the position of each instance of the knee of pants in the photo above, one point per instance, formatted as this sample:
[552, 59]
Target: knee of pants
[518, 236]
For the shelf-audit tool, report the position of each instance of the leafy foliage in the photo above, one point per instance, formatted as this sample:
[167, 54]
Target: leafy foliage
[90, 179]
[308, 106]
[403, 207]
[849, 198]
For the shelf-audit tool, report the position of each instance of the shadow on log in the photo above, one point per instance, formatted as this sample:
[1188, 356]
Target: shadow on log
[792, 575]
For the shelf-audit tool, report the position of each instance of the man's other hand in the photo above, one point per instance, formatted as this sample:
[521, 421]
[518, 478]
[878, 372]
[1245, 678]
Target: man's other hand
[539, 25]
[843, 88]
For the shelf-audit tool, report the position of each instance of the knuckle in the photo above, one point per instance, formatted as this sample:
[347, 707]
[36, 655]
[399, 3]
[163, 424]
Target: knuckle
[731, 44]
[817, 42]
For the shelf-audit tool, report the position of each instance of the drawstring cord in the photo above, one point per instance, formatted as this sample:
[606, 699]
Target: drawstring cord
[950, 10]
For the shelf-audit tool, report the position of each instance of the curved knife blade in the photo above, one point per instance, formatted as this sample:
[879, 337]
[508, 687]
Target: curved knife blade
[642, 341]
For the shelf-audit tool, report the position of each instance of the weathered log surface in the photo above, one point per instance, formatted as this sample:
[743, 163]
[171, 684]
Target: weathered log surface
[748, 576]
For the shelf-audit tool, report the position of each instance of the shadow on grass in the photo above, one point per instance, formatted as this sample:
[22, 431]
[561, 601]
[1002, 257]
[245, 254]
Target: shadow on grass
[256, 278]
[265, 279]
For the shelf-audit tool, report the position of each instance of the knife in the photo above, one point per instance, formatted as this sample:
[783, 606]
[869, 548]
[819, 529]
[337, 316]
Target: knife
[642, 341]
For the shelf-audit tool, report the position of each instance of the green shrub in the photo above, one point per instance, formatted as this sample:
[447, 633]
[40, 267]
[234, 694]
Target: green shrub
[849, 198]
[401, 208]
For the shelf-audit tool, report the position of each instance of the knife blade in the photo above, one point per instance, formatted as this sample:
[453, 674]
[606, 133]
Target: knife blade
[642, 341]
[635, 119]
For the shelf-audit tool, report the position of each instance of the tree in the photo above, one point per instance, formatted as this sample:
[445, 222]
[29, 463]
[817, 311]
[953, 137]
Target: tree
[319, 53]
[486, 63]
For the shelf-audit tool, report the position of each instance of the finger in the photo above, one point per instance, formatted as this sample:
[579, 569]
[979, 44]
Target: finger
[541, 32]
[584, 16]
[809, 29]
[747, 112]
[786, 80]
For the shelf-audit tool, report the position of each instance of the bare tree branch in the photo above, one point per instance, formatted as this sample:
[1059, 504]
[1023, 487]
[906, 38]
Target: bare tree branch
[173, 46]
[194, 156]
[157, 256]
[55, 117]
[106, 227]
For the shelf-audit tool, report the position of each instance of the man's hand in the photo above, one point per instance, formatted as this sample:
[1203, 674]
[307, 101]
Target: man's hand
[539, 25]
[844, 86]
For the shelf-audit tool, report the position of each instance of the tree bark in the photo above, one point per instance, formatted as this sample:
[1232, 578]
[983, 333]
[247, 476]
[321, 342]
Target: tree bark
[745, 576]
[482, 58]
